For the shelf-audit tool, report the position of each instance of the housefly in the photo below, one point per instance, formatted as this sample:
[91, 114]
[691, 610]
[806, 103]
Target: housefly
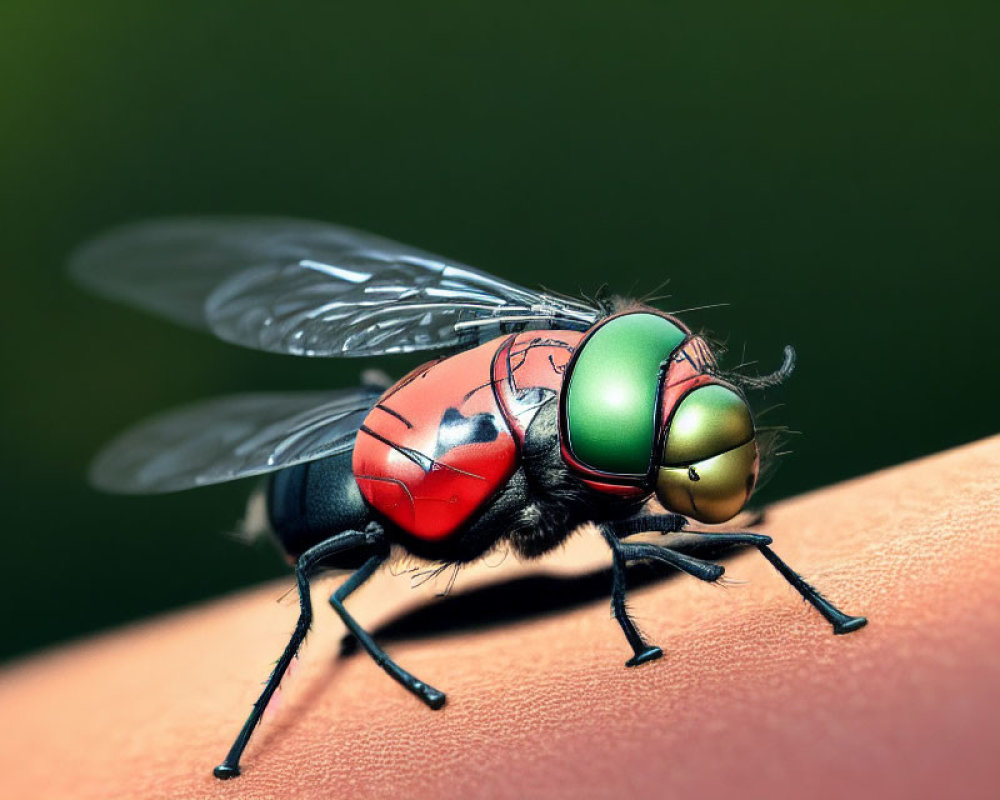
[539, 414]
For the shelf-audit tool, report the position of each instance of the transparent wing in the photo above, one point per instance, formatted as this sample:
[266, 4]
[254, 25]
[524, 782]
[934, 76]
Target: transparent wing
[313, 289]
[231, 437]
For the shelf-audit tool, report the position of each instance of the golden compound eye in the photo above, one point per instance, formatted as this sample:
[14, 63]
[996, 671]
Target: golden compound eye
[710, 459]
[708, 421]
[714, 490]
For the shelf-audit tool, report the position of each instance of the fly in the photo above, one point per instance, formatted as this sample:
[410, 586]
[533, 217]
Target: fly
[543, 413]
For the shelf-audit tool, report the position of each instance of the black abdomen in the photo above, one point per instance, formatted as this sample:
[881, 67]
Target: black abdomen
[310, 502]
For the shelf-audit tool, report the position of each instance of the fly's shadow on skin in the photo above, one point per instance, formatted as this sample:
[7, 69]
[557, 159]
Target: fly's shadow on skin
[530, 597]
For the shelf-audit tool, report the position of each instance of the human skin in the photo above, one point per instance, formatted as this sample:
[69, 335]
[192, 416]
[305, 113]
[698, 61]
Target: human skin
[754, 696]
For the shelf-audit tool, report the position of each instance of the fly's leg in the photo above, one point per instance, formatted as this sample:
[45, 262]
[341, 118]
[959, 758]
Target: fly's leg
[674, 523]
[842, 623]
[643, 652]
[626, 552]
[702, 570]
[660, 523]
[431, 696]
[667, 523]
[307, 564]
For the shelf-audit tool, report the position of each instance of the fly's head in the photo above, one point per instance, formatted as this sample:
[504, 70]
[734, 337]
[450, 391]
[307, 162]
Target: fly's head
[646, 408]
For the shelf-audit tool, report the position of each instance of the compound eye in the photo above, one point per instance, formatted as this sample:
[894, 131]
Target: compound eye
[712, 490]
[611, 392]
[710, 459]
[710, 420]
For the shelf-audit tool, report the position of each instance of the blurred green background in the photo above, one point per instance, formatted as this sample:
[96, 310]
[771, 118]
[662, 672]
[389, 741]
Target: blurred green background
[829, 169]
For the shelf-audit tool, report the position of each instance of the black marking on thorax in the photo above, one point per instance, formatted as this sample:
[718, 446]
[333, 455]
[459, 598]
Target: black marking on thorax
[456, 430]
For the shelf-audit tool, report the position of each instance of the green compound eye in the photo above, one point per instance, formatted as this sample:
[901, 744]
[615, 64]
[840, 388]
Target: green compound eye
[611, 392]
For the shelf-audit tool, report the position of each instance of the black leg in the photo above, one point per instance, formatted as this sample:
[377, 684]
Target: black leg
[756, 539]
[431, 696]
[661, 523]
[643, 652]
[304, 568]
[842, 623]
[674, 523]
[702, 570]
[625, 553]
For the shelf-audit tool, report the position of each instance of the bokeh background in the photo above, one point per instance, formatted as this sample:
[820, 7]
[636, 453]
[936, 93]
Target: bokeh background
[829, 170]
